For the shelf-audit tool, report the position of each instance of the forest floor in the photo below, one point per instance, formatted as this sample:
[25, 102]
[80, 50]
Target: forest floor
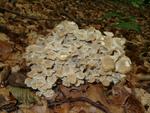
[19, 18]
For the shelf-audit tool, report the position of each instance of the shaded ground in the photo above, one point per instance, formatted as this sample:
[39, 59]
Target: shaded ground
[21, 17]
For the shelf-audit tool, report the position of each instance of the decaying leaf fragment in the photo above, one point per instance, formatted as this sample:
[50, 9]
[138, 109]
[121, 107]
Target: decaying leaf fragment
[5, 50]
[24, 96]
[144, 97]
[4, 73]
[7, 102]
[123, 97]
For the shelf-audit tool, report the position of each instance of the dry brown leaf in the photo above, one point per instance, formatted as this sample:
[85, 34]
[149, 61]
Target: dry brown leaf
[7, 102]
[4, 92]
[17, 79]
[4, 73]
[96, 93]
[123, 98]
[41, 109]
[4, 37]
[64, 108]
[3, 112]
[84, 108]
[74, 91]
[133, 105]
[120, 96]
[5, 50]
[25, 110]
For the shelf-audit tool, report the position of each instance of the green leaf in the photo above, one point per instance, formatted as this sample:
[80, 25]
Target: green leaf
[132, 18]
[136, 3]
[128, 26]
[112, 14]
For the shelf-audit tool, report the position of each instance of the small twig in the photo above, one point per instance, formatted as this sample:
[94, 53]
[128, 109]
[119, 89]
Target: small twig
[10, 33]
[26, 16]
[17, 13]
[71, 17]
[83, 99]
[143, 77]
[131, 42]
[78, 21]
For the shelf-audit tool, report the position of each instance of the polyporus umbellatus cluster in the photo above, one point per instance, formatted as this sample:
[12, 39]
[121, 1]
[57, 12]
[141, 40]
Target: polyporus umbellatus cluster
[75, 56]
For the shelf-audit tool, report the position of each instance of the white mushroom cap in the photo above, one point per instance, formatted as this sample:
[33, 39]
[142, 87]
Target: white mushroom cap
[107, 63]
[123, 65]
[93, 34]
[91, 79]
[117, 77]
[51, 79]
[79, 82]
[80, 75]
[49, 94]
[38, 82]
[72, 78]
[63, 55]
[45, 87]
[28, 82]
[81, 34]
[65, 27]
[66, 82]
[107, 81]
[110, 34]
[51, 55]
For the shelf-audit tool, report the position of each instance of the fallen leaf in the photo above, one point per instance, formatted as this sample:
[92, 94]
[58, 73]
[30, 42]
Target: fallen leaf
[96, 93]
[41, 108]
[24, 96]
[5, 50]
[7, 102]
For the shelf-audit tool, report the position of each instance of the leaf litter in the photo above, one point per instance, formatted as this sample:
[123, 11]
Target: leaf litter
[20, 18]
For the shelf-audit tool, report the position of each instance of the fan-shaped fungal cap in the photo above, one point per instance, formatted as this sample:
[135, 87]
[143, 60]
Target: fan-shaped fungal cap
[123, 65]
[65, 27]
[110, 34]
[107, 63]
[75, 55]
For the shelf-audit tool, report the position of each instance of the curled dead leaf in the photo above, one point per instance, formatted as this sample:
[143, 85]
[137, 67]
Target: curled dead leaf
[24, 96]
[4, 74]
[125, 99]
[7, 101]
[5, 50]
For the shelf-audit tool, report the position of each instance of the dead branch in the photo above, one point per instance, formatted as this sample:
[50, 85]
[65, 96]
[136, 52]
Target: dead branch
[17, 13]
[72, 18]
[26, 16]
[143, 77]
[82, 99]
